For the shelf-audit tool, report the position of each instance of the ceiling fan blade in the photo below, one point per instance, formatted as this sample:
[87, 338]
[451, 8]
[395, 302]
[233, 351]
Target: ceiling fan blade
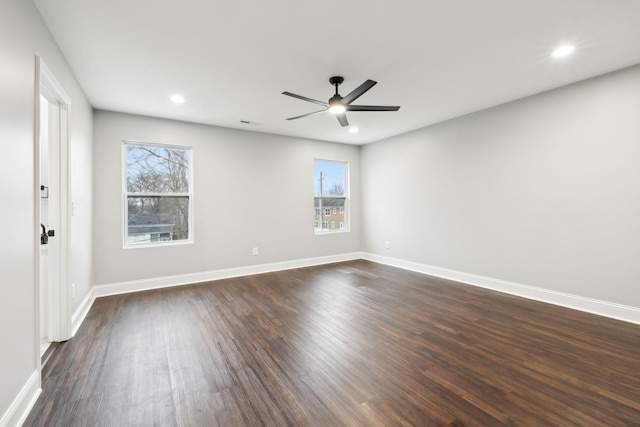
[372, 108]
[308, 114]
[342, 118]
[304, 98]
[357, 92]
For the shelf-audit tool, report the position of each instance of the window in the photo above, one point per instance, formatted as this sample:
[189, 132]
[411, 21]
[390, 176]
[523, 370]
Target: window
[157, 193]
[331, 194]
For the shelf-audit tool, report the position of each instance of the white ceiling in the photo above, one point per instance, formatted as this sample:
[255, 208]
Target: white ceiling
[232, 59]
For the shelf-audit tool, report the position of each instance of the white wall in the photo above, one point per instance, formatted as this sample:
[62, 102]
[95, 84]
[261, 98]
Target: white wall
[543, 192]
[251, 190]
[23, 35]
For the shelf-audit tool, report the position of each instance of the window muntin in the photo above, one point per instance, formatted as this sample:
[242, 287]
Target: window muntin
[157, 193]
[331, 196]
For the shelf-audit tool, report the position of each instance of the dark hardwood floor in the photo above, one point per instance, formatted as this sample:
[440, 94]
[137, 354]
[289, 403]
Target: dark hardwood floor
[348, 344]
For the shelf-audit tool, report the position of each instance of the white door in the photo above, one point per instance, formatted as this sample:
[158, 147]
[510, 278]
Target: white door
[54, 218]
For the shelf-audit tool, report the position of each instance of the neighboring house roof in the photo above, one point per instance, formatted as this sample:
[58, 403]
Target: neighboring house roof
[150, 222]
[328, 203]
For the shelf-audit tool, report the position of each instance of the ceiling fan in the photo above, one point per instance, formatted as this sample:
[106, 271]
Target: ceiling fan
[338, 105]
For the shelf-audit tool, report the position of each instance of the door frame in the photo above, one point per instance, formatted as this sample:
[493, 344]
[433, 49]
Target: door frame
[59, 297]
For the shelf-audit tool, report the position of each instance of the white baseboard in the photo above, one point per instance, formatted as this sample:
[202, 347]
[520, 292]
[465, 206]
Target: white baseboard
[22, 404]
[602, 308]
[206, 276]
[81, 312]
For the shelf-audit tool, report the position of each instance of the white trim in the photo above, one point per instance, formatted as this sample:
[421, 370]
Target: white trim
[346, 196]
[576, 302]
[206, 276]
[157, 144]
[37, 178]
[81, 313]
[51, 85]
[126, 194]
[19, 409]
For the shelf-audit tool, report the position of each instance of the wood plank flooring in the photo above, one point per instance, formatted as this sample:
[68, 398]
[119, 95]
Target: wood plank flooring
[347, 344]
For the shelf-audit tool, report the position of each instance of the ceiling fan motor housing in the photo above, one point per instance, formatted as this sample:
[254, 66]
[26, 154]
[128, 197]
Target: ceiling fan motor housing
[335, 99]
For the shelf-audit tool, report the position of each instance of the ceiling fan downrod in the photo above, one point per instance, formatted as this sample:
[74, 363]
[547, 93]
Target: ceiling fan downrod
[336, 81]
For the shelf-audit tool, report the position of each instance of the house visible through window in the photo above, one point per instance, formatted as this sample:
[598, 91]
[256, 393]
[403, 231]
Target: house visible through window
[331, 195]
[157, 193]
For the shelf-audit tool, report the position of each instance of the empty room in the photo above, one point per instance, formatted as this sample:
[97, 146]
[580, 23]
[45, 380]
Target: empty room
[287, 213]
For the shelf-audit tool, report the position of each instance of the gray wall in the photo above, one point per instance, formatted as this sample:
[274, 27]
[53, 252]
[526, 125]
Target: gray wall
[250, 189]
[544, 191]
[23, 35]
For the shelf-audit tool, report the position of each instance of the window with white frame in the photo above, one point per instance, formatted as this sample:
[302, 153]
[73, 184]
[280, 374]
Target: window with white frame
[331, 195]
[157, 193]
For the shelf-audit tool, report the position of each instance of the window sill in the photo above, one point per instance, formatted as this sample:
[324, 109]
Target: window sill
[322, 233]
[159, 244]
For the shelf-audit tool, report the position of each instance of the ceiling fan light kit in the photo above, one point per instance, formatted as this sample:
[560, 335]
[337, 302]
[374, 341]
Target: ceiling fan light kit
[339, 105]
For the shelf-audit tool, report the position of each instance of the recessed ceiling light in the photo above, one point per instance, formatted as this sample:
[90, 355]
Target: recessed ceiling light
[177, 99]
[563, 51]
[354, 129]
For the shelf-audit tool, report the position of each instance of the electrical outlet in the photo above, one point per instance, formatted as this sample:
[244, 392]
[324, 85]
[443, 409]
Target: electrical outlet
[255, 251]
[386, 245]
[73, 290]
